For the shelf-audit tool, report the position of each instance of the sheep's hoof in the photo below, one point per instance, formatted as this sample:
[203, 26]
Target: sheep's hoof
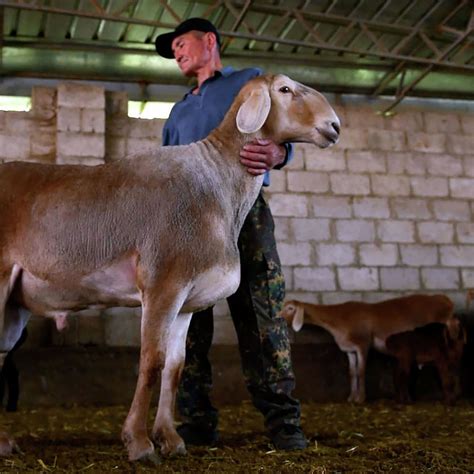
[178, 450]
[8, 445]
[171, 445]
[150, 459]
[356, 400]
[140, 449]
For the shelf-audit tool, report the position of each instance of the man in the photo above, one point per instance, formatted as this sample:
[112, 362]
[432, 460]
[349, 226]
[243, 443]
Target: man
[263, 337]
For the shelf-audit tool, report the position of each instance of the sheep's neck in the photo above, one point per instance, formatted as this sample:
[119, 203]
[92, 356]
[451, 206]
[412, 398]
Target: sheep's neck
[320, 316]
[240, 186]
[225, 143]
[230, 142]
[226, 138]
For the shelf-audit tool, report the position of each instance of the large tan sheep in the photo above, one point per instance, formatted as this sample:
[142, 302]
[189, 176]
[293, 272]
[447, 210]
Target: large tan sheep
[158, 230]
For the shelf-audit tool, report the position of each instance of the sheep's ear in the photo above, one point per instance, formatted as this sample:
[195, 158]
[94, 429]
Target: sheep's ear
[298, 319]
[254, 111]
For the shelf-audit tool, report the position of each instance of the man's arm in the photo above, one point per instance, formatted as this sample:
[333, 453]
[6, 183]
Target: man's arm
[262, 155]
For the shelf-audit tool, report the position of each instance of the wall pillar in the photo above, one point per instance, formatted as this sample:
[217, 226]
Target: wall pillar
[80, 124]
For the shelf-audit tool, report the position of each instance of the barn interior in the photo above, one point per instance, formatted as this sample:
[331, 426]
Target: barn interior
[386, 212]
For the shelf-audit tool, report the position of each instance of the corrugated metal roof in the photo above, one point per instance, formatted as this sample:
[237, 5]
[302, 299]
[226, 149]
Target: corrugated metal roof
[391, 47]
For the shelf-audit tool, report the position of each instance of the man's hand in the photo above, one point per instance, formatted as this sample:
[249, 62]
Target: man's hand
[261, 155]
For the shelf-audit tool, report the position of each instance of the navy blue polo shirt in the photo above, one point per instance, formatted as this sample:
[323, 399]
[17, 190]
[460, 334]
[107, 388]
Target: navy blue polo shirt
[196, 115]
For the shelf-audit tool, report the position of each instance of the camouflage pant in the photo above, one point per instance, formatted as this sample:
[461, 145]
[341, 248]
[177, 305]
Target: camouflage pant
[263, 336]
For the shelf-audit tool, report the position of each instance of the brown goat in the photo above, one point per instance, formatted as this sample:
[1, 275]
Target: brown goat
[158, 230]
[358, 326]
[432, 344]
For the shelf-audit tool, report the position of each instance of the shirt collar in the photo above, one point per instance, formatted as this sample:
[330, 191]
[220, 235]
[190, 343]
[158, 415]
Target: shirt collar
[224, 72]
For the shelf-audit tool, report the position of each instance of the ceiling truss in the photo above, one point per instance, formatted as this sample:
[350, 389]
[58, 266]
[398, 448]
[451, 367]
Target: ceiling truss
[436, 38]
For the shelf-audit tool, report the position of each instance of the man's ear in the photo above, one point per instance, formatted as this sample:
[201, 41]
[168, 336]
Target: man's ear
[254, 111]
[211, 39]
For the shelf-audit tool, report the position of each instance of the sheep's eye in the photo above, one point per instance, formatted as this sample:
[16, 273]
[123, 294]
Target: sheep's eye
[285, 89]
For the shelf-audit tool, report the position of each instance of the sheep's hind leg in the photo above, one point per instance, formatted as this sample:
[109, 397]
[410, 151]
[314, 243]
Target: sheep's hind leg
[7, 280]
[8, 277]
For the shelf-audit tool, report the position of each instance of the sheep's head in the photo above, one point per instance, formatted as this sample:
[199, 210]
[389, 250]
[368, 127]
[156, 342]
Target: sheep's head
[286, 111]
[293, 313]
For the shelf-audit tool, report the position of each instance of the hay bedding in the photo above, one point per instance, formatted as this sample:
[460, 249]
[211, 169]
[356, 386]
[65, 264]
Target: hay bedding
[376, 437]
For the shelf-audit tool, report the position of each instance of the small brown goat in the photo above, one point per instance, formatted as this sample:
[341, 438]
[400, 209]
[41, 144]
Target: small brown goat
[358, 326]
[432, 344]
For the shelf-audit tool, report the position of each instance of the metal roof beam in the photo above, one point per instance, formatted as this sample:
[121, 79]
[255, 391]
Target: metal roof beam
[170, 11]
[238, 21]
[401, 66]
[445, 53]
[296, 13]
[84, 14]
[337, 20]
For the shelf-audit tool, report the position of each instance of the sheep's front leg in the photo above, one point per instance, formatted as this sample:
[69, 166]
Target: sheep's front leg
[164, 431]
[357, 362]
[401, 378]
[134, 432]
[448, 381]
[158, 314]
[7, 444]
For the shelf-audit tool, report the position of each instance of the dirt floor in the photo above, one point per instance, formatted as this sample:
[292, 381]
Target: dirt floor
[376, 437]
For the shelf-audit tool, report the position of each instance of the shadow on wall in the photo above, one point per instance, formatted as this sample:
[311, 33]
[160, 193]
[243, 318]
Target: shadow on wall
[93, 375]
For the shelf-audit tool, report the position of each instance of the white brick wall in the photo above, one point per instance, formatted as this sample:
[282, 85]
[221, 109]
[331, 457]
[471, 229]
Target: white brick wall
[335, 254]
[462, 188]
[401, 279]
[384, 185]
[444, 123]
[355, 231]
[415, 255]
[427, 142]
[411, 208]
[308, 181]
[310, 229]
[435, 232]
[327, 206]
[371, 207]
[465, 232]
[358, 279]
[440, 278]
[407, 163]
[314, 279]
[428, 187]
[452, 210]
[379, 255]
[396, 231]
[352, 184]
[398, 213]
[289, 205]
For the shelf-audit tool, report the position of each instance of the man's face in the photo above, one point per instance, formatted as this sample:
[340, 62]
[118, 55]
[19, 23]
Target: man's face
[191, 52]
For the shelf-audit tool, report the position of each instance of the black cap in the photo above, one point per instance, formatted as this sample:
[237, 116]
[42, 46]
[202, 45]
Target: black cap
[163, 42]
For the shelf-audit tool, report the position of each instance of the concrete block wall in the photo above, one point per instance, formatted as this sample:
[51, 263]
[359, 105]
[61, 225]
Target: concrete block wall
[387, 211]
[80, 124]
